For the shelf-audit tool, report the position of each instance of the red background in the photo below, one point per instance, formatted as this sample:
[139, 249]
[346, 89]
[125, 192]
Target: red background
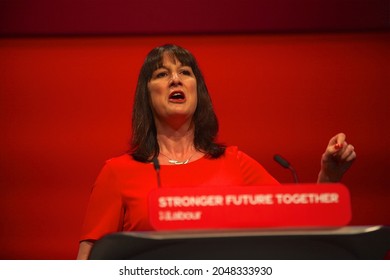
[65, 106]
[66, 103]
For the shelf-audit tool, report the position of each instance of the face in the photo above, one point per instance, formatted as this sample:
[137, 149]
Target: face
[173, 90]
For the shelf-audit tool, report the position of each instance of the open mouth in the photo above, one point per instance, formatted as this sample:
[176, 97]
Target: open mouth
[177, 97]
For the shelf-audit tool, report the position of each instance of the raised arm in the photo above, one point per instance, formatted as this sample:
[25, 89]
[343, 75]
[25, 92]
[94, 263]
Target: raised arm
[336, 160]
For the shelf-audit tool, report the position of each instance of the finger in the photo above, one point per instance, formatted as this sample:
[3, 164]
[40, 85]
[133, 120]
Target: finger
[340, 138]
[338, 149]
[351, 157]
[333, 140]
[337, 141]
[347, 152]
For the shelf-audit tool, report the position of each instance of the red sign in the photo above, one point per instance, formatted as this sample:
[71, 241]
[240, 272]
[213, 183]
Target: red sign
[298, 205]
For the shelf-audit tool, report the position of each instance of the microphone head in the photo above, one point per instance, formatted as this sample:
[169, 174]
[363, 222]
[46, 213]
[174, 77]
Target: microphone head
[281, 161]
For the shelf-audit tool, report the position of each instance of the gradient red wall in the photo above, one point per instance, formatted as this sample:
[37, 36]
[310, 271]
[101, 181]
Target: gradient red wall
[65, 107]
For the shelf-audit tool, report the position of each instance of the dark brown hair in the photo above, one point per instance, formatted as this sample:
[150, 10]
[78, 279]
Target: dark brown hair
[144, 146]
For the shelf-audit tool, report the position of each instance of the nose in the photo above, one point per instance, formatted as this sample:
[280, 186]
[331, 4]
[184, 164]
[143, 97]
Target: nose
[175, 79]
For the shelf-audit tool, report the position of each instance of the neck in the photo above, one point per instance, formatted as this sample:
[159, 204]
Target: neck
[176, 141]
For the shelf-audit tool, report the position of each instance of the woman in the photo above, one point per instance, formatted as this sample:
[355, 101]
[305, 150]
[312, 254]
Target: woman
[174, 122]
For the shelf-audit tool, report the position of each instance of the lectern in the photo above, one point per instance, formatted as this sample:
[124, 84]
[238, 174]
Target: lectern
[300, 221]
[352, 242]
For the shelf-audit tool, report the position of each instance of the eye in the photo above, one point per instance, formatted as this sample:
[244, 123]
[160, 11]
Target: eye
[186, 72]
[160, 74]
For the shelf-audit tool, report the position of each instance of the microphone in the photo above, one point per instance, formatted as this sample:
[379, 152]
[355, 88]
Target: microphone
[284, 163]
[156, 166]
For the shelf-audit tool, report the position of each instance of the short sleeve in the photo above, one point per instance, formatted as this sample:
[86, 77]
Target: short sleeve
[254, 173]
[105, 209]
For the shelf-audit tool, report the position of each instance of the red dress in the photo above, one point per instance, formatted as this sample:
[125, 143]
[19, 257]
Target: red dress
[119, 197]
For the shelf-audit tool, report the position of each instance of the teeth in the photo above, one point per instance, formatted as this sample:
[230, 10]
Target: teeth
[177, 95]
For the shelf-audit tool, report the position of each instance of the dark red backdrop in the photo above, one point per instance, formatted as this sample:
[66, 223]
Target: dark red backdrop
[65, 108]
[47, 17]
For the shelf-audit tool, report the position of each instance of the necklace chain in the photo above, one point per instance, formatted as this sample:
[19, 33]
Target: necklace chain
[177, 162]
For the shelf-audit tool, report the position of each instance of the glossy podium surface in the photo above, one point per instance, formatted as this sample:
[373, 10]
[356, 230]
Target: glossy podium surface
[351, 242]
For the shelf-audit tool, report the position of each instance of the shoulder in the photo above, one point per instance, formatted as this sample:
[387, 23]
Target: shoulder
[122, 168]
[235, 152]
[252, 171]
[125, 159]
[231, 151]
[122, 162]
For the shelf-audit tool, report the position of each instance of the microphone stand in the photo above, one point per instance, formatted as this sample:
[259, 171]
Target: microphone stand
[285, 164]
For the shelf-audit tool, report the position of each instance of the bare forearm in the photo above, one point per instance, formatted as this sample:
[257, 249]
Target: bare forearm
[84, 250]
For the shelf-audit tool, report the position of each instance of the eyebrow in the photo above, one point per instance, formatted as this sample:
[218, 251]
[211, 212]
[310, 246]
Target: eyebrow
[167, 68]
